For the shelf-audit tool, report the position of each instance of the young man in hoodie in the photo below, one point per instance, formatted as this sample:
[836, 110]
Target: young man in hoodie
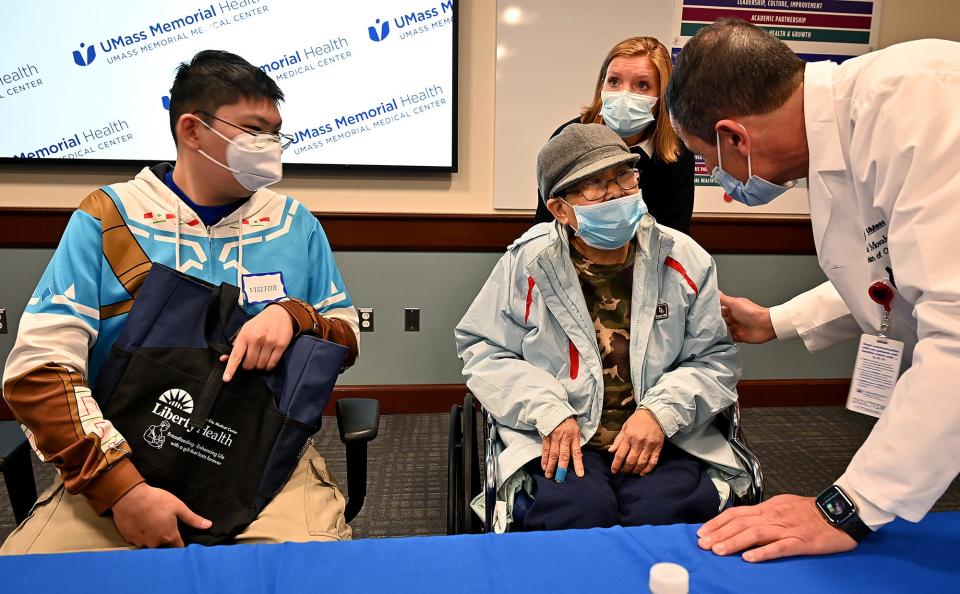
[209, 216]
[598, 346]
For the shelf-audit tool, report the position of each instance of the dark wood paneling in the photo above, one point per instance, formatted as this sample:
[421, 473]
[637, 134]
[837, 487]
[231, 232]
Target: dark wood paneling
[428, 233]
[794, 392]
[438, 398]
[32, 227]
[404, 399]
[42, 227]
[753, 235]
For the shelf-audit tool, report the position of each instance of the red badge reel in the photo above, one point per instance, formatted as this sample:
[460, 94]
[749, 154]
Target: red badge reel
[882, 293]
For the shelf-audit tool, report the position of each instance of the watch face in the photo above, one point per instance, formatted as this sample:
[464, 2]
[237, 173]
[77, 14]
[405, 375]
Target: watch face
[835, 505]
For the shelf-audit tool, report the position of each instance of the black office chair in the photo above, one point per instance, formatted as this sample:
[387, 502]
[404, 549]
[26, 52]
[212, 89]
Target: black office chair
[358, 420]
[17, 469]
[463, 465]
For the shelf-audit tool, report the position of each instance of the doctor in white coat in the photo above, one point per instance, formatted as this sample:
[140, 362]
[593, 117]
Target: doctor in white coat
[878, 139]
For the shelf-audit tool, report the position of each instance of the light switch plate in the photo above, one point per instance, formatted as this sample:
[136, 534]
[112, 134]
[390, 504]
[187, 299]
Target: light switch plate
[411, 319]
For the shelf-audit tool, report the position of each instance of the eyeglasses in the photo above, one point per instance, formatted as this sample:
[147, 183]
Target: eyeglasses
[595, 189]
[260, 138]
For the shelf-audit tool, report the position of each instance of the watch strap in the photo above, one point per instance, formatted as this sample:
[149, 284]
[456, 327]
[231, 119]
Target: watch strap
[856, 528]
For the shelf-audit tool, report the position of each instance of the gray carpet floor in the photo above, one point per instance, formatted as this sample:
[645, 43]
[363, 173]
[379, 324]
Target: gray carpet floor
[802, 450]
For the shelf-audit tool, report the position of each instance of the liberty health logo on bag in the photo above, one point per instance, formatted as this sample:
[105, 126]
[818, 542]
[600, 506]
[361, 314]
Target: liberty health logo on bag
[156, 435]
[174, 398]
[174, 407]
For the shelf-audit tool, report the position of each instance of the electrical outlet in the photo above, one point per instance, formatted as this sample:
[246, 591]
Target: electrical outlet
[366, 319]
[3, 320]
[411, 319]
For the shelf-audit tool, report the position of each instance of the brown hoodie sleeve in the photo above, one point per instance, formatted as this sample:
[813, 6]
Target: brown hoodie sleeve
[45, 375]
[306, 320]
[69, 431]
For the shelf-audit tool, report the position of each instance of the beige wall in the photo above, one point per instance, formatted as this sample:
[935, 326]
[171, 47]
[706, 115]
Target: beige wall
[903, 20]
[470, 190]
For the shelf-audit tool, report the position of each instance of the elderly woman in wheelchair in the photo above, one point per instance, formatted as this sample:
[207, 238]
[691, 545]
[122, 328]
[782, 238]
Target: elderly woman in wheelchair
[598, 347]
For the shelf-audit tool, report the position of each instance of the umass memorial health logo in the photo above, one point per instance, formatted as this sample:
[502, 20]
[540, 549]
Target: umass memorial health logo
[151, 36]
[412, 23]
[91, 54]
[381, 34]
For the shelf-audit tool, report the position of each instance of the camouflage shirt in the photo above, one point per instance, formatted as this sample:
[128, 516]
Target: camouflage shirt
[607, 289]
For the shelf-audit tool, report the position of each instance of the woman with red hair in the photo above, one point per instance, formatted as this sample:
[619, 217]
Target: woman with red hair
[628, 99]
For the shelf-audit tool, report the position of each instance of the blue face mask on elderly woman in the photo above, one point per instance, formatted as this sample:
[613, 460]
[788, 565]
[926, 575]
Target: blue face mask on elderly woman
[611, 224]
[756, 192]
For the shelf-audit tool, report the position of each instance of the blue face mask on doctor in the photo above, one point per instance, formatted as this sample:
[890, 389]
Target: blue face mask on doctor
[756, 192]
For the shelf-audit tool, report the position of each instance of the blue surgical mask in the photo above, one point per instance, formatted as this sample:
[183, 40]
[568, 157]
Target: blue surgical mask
[611, 224]
[756, 192]
[625, 113]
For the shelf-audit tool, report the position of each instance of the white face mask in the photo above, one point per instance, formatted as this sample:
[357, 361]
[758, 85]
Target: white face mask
[254, 162]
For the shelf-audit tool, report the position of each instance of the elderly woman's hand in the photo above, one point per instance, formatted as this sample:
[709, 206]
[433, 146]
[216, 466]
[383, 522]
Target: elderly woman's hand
[562, 444]
[637, 447]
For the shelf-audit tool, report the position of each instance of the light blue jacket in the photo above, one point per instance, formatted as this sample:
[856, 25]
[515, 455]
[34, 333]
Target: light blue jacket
[530, 350]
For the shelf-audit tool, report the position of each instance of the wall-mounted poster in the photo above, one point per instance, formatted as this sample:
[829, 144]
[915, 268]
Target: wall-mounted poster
[834, 30]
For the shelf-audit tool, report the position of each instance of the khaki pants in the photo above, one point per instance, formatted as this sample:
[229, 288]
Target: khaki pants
[308, 508]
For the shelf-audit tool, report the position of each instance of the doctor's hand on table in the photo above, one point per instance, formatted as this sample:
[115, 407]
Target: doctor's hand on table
[747, 321]
[560, 446]
[782, 526]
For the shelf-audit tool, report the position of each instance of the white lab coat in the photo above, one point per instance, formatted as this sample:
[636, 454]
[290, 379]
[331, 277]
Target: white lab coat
[884, 183]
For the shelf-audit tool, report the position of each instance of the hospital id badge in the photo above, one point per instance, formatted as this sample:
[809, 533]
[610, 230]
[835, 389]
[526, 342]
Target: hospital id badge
[875, 374]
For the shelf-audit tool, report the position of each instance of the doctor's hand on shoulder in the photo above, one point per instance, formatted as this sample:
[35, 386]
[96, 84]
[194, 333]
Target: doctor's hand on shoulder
[261, 342]
[747, 321]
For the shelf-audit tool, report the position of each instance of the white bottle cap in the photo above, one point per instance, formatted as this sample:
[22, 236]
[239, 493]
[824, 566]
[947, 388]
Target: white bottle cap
[669, 578]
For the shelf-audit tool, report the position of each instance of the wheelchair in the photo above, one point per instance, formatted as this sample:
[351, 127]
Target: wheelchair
[464, 469]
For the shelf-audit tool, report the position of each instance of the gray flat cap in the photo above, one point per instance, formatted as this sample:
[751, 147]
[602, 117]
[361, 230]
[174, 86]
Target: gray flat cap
[578, 152]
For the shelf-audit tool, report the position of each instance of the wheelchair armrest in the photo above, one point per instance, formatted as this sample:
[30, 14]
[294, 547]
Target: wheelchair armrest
[728, 422]
[490, 462]
[358, 420]
[751, 463]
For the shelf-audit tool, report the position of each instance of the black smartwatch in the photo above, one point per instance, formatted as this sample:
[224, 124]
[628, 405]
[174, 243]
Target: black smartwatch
[841, 512]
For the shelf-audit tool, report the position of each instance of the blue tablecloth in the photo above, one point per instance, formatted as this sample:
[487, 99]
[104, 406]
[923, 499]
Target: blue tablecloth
[902, 557]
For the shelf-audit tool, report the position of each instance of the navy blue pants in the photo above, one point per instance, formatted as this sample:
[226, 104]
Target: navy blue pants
[678, 491]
